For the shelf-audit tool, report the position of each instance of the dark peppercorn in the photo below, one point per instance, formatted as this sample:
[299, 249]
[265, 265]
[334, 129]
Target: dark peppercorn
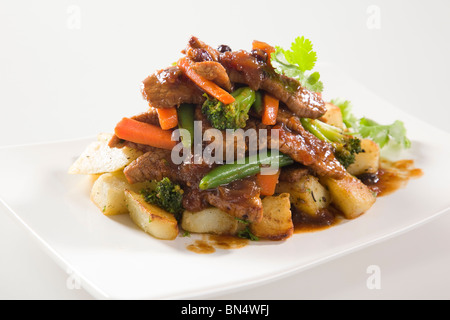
[223, 48]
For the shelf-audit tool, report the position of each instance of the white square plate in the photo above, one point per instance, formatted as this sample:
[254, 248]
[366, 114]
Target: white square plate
[115, 260]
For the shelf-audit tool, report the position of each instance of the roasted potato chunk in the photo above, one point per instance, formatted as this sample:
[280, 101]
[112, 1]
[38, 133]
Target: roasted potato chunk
[333, 116]
[367, 161]
[306, 195]
[276, 223]
[108, 195]
[98, 157]
[211, 220]
[349, 195]
[150, 218]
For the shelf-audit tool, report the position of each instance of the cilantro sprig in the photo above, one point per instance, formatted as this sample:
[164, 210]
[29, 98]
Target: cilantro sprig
[393, 134]
[296, 63]
[299, 61]
[348, 117]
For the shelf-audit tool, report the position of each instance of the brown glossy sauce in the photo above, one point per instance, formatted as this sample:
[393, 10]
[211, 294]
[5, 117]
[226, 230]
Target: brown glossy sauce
[201, 246]
[306, 223]
[393, 176]
[302, 228]
[209, 243]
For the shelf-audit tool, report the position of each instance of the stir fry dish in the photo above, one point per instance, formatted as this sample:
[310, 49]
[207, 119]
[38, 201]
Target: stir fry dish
[241, 143]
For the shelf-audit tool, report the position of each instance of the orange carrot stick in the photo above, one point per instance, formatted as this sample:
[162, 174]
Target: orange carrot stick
[205, 84]
[270, 110]
[262, 46]
[168, 117]
[267, 183]
[268, 49]
[144, 133]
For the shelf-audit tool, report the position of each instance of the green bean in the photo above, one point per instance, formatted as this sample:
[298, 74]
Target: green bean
[186, 121]
[233, 171]
[258, 104]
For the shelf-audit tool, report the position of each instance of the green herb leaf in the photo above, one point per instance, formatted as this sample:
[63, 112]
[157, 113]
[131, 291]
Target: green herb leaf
[313, 83]
[246, 222]
[282, 66]
[186, 234]
[394, 134]
[295, 62]
[301, 54]
[247, 234]
[348, 118]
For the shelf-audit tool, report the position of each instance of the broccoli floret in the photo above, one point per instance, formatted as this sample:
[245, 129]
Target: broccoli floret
[345, 145]
[345, 153]
[166, 195]
[229, 116]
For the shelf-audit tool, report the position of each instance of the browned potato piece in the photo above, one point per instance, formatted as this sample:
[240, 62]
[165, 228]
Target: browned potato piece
[150, 218]
[276, 223]
[349, 195]
[98, 157]
[211, 220]
[108, 192]
[367, 161]
[333, 116]
[307, 194]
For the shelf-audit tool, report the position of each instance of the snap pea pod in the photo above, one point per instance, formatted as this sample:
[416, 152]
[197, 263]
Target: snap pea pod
[233, 171]
[186, 121]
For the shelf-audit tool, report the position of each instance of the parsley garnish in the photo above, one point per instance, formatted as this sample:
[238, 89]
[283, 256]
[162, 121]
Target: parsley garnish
[247, 234]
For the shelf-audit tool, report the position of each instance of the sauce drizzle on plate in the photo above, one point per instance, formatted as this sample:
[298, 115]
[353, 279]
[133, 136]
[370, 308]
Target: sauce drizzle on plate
[209, 243]
[393, 176]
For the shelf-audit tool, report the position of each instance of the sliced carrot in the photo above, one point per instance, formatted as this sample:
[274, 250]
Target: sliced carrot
[167, 117]
[267, 48]
[270, 110]
[144, 133]
[267, 183]
[205, 84]
[262, 46]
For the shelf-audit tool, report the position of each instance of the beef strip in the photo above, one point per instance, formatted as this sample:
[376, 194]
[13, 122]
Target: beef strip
[294, 172]
[305, 148]
[327, 164]
[302, 146]
[150, 117]
[302, 102]
[254, 70]
[244, 67]
[240, 198]
[170, 87]
[195, 200]
[198, 51]
[153, 165]
[213, 71]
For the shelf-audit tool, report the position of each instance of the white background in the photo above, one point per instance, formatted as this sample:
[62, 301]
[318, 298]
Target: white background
[70, 69]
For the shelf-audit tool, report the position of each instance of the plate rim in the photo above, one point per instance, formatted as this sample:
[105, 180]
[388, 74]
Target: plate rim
[98, 293]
